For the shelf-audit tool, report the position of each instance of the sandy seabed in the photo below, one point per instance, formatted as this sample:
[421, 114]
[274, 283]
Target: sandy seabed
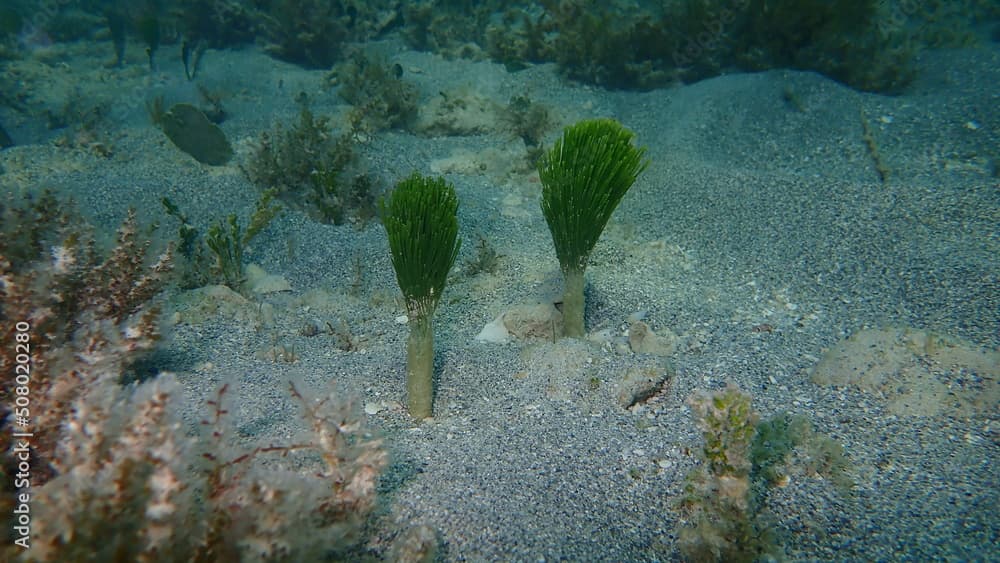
[761, 246]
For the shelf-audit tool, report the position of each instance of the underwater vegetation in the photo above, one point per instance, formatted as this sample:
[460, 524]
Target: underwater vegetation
[312, 32]
[420, 221]
[529, 121]
[376, 89]
[741, 458]
[786, 442]
[724, 522]
[217, 23]
[309, 32]
[695, 39]
[584, 177]
[227, 240]
[115, 473]
[486, 259]
[313, 170]
[82, 303]
[217, 256]
[867, 44]
[199, 499]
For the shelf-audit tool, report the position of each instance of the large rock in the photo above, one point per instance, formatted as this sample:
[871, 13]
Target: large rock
[639, 384]
[642, 340]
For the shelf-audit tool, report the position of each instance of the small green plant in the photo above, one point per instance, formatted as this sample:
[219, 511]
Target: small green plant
[420, 219]
[195, 265]
[786, 441]
[187, 234]
[376, 89]
[725, 525]
[325, 184]
[584, 177]
[313, 170]
[225, 240]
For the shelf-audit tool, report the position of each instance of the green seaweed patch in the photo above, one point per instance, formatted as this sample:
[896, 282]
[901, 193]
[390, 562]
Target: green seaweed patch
[192, 132]
[315, 170]
[382, 99]
[787, 443]
[217, 256]
[724, 522]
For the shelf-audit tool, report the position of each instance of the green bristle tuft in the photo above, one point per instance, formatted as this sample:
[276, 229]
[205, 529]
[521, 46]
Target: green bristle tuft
[584, 177]
[421, 223]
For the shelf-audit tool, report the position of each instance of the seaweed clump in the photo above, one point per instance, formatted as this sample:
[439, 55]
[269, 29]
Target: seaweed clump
[218, 23]
[848, 40]
[529, 121]
[786, 444]
[741, 458]
[115, 474]
[217, 256]
[724, 524]
[859, 42]
[68, 303]
[310, 33]
[448, 28]
[376, 89]
[312, 170]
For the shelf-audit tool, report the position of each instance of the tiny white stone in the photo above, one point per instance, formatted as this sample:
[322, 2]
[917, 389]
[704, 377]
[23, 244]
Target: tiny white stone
[402, 319]
[495, 332]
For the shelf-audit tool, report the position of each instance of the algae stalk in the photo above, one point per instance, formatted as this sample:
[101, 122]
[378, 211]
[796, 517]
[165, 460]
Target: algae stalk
[573, 303]
[420, 367]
